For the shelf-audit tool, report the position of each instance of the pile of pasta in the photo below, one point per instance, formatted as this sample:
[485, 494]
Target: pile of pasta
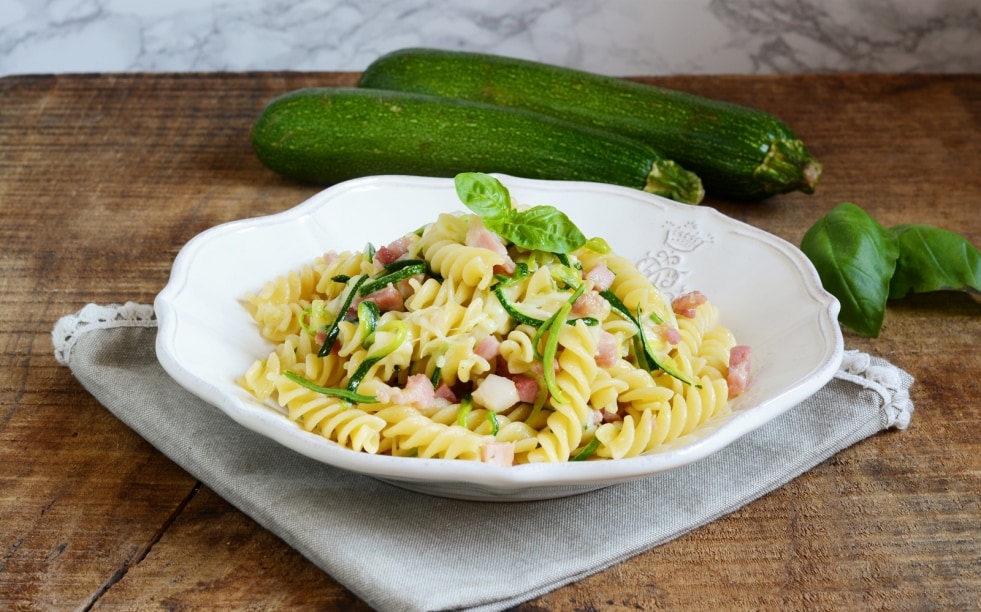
[481, 355]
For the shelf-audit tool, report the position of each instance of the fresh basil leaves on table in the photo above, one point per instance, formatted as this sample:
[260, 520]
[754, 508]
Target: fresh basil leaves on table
[863, 264]
[931, 259]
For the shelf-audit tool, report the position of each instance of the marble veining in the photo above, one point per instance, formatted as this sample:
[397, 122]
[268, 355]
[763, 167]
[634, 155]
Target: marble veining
[619, 37]
[788, 36]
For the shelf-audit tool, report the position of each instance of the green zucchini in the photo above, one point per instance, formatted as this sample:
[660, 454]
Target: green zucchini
[738, 152]
[331, 134]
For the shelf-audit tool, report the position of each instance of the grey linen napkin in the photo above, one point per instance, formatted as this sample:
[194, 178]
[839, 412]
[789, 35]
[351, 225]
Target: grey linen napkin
[399, 550]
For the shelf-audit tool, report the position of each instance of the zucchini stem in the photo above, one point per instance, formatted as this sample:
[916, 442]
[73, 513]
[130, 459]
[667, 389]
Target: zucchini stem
[788, 166]
[670, 180]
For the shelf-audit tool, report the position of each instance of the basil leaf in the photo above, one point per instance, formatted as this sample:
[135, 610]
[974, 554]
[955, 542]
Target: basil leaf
[855, 258]
[540, 228]
[486, 196]
[931, 259]
[543, 228]
[598, 245]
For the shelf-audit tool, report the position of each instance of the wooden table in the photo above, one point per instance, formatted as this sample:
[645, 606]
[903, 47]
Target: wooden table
[104, 177]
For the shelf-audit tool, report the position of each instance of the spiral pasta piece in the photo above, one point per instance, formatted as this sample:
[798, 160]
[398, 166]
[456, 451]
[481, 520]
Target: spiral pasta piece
[693, 329]
[473, 266]
[333, 265]
[605, 391]
[277, 308]
[627, 438]
[329, 416]
[518, 350]
[577, 370]
[260, 378]
[428, 439]
[633, 288]
[716, 346]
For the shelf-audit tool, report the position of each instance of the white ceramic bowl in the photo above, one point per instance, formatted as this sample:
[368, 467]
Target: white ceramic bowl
[767, 292]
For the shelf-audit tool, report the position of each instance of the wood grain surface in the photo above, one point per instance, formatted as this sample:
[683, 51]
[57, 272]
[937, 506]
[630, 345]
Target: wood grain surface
[104, 177]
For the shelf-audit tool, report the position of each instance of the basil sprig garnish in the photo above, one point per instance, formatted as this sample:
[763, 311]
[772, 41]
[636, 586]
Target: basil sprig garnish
[542, 228]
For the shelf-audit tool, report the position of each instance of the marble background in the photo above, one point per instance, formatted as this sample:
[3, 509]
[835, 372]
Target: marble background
[618, 37]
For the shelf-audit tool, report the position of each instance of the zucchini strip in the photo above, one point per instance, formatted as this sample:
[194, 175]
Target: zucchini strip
[553, 327]
[587, 450]
[645, 356]
[344, 394]
[368, 314]
[392, 277]
[333, 330]
[401, 330]
[495, 424]
[466, 404]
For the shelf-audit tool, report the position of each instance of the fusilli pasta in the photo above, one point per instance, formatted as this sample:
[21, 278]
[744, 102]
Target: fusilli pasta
[581, 355]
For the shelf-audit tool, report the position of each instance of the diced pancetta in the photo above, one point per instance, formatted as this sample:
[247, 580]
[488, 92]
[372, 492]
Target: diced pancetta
[670, 334]
[607, 351]
[595, 419]
[527, 386]
[394, 250]
[589, 304]
[601, 276]
[487, 347]
[507, 267]
[405, 288]
[739, 370]
[684, 305]
[388, 298]
[611, 417]
[418, 392]
[498, 453]
[481, 237]
[444, 391]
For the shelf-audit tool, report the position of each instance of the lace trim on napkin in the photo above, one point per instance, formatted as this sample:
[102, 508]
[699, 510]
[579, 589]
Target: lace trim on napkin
[94, 316]
[857, 367]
